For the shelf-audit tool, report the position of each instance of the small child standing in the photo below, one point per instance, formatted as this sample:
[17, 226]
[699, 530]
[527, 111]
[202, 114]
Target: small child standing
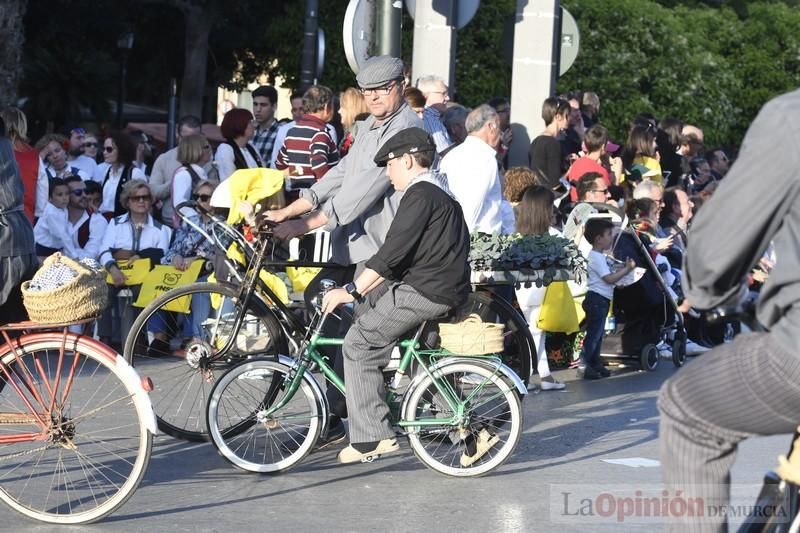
[598, 298]
[50, 230]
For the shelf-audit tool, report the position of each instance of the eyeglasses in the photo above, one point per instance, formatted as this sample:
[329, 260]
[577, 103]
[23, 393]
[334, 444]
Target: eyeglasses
[78, 192]
[201, 197]
[381, 91]
[108, 149]
[604, 191]
[140, 198]
[90, 145]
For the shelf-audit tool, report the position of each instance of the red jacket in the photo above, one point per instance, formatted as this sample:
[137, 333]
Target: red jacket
[28, 162]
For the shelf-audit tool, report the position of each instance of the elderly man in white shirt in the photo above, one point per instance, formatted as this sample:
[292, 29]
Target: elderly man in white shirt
[473, 174]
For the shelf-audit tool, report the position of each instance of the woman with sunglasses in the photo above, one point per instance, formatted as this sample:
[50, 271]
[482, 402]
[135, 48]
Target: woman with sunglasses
[193, 154]
[91, 147]
[236, 152]
[119, 152]
[133, 235]
[189, 245]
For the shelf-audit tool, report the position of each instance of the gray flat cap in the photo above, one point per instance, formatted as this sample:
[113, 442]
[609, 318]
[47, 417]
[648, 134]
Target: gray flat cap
[378, 71]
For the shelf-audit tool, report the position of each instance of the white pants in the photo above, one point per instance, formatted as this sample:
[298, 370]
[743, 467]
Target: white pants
[530, 303]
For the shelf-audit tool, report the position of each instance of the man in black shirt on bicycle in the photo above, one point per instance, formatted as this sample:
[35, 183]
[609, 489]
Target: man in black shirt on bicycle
[424, 260]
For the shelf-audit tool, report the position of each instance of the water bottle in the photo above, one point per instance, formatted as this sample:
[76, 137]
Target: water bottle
[611, 324]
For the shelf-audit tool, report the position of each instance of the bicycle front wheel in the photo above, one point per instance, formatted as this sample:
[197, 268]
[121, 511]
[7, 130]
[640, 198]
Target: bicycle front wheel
[491, 429]
[255, 441]
[182, 352]
[80, 460]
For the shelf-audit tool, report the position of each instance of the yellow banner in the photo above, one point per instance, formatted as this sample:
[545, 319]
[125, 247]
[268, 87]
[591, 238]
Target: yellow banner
[164, 278]
[134, 272]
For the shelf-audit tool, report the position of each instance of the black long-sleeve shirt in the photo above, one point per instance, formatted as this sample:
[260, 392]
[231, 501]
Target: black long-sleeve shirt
[427, 246]
[545, 156]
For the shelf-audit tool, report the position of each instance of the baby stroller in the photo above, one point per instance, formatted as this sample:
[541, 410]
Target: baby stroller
[644, 312]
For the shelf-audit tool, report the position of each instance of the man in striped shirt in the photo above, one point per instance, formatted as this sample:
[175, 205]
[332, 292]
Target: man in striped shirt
[309, 151]
[436, 96]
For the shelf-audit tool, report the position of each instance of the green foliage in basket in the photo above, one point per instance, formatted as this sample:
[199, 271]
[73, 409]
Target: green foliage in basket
[526, 253]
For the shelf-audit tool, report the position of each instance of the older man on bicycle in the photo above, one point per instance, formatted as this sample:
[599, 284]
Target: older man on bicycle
[752, 385]
[424, 261]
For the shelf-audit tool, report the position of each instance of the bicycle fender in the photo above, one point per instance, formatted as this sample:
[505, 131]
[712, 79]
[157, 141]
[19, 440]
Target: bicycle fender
[141, 396]
[312, 381]
[509, 375]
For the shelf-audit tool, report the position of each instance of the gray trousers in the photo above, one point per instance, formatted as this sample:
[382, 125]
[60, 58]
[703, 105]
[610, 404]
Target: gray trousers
[746, 388]
[367, 350]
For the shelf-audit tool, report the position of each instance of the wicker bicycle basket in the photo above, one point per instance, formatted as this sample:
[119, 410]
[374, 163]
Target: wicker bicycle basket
[472, 336]
[84, 296]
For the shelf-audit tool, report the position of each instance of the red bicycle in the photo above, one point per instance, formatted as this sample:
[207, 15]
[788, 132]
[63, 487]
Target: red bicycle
[76, 424]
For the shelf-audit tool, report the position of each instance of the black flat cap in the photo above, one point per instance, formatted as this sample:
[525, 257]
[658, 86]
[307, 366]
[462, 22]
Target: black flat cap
[408, 141]
[379, 71]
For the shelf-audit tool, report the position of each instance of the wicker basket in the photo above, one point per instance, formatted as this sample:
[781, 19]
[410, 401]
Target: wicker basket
[472, 336]
[84, 297]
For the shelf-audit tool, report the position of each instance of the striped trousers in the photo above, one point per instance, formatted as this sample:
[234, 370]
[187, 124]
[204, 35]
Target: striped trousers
[746, 388]
[367, 350]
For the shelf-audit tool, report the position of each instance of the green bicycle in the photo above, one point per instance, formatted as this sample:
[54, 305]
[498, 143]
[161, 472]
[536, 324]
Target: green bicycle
[461, 414]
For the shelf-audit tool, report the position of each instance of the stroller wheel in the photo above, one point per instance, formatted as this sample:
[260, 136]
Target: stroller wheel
[678, 353]
[649, 357]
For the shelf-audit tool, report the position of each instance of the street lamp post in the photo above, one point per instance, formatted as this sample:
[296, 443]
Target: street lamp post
[124, 44]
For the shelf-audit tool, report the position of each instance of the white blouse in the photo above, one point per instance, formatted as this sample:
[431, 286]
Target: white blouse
[225, 160]
[121, 235]
[110, 187]
[182, 188]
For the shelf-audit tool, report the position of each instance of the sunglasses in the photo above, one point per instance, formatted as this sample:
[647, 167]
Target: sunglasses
[90, 145]
[78, 192]
[108, 149]
[141, 198]
[201, 197]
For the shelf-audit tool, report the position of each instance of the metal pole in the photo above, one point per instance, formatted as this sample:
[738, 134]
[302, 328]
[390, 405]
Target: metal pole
[389, 16]
[308, 66]
[172, 113]
[123, 73]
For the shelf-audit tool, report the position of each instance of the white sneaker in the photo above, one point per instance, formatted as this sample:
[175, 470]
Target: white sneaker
[551, 385]
[692, 348]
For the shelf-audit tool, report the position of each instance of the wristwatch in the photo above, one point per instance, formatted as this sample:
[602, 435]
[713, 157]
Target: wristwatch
[352, 291]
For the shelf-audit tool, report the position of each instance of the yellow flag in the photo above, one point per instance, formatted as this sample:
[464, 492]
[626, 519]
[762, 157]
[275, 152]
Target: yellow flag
[164, 278]
[134, 272]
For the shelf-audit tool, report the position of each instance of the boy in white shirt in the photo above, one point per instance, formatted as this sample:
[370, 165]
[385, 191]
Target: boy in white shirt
[50, 230]
[598, 298]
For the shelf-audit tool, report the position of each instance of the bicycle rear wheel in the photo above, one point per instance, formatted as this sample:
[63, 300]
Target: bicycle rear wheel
[247, 437]
[87, 455]
[494, 421]
[183, 376]
[518, 345]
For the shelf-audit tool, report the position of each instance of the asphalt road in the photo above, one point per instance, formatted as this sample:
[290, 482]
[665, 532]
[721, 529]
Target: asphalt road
[568, 437]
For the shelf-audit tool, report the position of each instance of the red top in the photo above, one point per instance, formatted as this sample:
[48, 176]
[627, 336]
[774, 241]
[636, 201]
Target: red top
[580, 167]
[28, 162]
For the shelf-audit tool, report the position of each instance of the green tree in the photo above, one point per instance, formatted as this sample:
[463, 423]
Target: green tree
[12, 37]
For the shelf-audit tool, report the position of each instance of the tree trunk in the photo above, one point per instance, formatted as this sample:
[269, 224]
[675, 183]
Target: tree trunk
[198, 28]
[12, 37]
